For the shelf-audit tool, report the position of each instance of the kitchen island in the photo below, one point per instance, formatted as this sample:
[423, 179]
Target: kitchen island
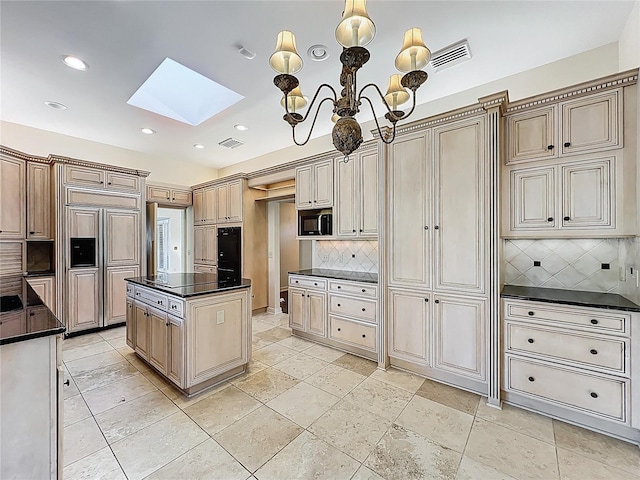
[191, 328]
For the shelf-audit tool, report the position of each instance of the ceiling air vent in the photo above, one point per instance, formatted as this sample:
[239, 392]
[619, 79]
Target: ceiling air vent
[231, 143]
[451, 55]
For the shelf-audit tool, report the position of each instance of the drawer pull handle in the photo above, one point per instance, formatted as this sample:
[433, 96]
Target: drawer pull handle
[531, 314]
[363, 335]
[339, 330]
[363, 309]
[531, 379]
[594, 321]
[530, 340]
[593, 351]
[593, 395]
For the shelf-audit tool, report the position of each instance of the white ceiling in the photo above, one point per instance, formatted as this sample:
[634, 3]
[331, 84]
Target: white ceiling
[125, 41]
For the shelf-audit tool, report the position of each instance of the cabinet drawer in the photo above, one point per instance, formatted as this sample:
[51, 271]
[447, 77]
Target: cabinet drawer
[584, 391]
[176, 307]
[308, 282]
[122, 181]
[353, 307]
[83, 176]
[130, 290]
[569, 316]
[353, 333]
[361, 289]
[157, 300]
[205, 269]
[584, 349]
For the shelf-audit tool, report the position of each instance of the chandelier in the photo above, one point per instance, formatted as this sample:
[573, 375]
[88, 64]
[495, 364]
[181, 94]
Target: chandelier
[354, 32]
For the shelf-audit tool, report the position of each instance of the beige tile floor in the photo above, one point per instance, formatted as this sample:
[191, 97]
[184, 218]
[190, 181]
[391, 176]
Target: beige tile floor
[304, 411]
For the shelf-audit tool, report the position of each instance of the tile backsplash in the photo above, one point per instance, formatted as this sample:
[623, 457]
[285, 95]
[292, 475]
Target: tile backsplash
[577, 264]
[353, 255]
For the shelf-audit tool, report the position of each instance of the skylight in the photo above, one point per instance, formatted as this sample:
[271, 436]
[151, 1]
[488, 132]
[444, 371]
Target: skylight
[178, 92]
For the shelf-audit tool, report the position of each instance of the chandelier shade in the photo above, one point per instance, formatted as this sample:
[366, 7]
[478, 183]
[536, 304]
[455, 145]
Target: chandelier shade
[414, 54]
[286, 59]
[295, 100]
[396, 93]
[356, 28]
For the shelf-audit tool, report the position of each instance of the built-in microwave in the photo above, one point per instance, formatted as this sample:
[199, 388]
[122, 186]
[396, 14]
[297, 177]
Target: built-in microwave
[315, 225]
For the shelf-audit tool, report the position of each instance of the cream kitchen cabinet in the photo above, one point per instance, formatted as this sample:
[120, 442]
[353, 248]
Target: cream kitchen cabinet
[410, 326]
[46, 289]
[131, 322]
[115, 293]
[566, 199]
[204, 205]
[102, 179]
[357, 195]
[12, 198]
[314, 185]
[205, 245]
[586, 124]
[229, 202]
[84, 299]
[38, 201]
[171, 196]
[308, 311]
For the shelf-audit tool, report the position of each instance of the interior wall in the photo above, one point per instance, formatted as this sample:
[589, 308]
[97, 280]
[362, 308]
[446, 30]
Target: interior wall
[579, 68]
[176, 237]
[38, 142]
[289, 246]
[629, 42]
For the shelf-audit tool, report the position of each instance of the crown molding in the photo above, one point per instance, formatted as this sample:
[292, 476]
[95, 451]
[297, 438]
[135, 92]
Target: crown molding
[10, 152]
[98, 166]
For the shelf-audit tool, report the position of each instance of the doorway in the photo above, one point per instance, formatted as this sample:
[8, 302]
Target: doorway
[166, 240]
[289, 249]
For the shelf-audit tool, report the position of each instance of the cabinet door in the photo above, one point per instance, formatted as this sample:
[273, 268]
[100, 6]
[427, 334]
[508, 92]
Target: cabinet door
[533, 199]
[210, 206]
[83, 311]
[409, 335]
[590, 124]
[91, 177]
[158, 194]
[131, 324]
[304, 190]
[234, 199]
[409, 212]
[346, 198]
[45, 289]
[198, 206]
[222, 200]
[198, 244]
[323, 184]
[38, 201]
[12, 198]
[181, 197]
[116, 293]
[459, 230]
[532, 135]
[210, 245]
[141, 330]
[460, 336]
[123, 181]
[368, 194]
[158, 339]
[175, 367]
[297, 308]
[123, 238]
[587, 197]
[317, 323]
[83, 222]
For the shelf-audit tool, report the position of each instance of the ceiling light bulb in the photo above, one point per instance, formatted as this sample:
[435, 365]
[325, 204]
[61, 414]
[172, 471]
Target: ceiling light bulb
[74, 62]
[197, 145]
[241, 127]
[147, 131]
[55, 105]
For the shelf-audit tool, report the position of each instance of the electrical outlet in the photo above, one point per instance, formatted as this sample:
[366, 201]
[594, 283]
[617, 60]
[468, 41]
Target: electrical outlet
[324, 257]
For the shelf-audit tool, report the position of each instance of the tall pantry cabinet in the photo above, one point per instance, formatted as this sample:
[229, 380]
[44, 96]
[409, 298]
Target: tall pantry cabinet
[440, 191]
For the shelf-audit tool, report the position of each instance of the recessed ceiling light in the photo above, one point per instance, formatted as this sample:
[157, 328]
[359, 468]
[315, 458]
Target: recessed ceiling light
[197, 145]
[147, 131]
[318, 53]
[74, 62]
[241, 127]
[55, 105]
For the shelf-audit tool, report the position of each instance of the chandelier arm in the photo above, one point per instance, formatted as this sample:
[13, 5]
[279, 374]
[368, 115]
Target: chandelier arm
[360, 96]
[335, 99]
[315, 117]
[375, 118]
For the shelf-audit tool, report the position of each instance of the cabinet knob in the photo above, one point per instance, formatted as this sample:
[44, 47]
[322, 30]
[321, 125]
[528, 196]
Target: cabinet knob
[167, 324]
[594, 321]
[101, 182]
[567, 144]
[66, 382]
[338, 304]
[31, 314]
[593, 351]
[159, 302]
[109, 183]
[31, 233]
[173, 198]
[437, 301]
[360, 230]
[363, 290]
[530, 340]
[297, 282]
[363, 309]
[309, 201]
[426, 227]
[339, 287]
[531, 314]
[593, 395]
[566, 219]
[436, 227]
[426, 300]
[354, 231]
[315, 284]
[315, 201]
[549, 147]
[550, 219]
[531, 379]
[363, 335]
[339, 330]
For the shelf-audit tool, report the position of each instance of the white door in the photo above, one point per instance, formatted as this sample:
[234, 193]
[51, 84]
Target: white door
[533, 199]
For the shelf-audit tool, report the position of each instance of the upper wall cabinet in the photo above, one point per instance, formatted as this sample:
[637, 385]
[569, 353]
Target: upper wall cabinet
[314, 185]
[169, 196]
[38, 201]
[12, 198]
[583, 125]
[229, 201]
[204, 205]
[93, 177]
[357, 196]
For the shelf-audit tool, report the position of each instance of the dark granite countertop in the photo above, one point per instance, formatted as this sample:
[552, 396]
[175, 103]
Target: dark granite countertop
[609, 301]
[40, 274]
[189, 284]
[365, 277]
[23, 314]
